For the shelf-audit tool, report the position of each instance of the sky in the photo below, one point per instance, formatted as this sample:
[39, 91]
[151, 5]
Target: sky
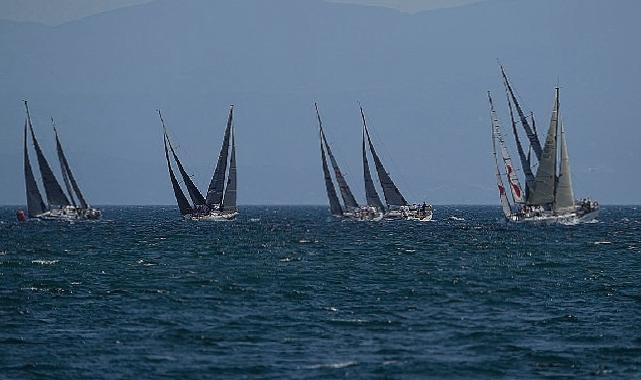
[422, 78]
[54, 12]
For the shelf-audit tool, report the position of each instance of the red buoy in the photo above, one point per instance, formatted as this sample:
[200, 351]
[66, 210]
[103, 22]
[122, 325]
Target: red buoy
[22, 217]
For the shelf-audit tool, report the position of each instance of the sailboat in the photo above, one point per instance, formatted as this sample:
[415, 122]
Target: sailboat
[220, 202]
[549, 196]
[396, 206]
[71, 205]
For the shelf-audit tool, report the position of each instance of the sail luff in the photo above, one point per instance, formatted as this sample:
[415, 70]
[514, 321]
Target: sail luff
[68, 174]
[35, 204]
[515, 186]
[543, 192]
[229, 200]
[564, 199]
[526, 164]
[371, 195]
[346, 193]
[55, 194]
[531, 135]
[393, 196]
[183, 203]
[216, 188]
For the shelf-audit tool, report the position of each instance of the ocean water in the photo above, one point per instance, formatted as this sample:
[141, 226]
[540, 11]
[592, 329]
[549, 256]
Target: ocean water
[288, 293]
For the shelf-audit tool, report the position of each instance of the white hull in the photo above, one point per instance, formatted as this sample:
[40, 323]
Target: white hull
[410, 213]
[70, 213]
[566, 219]
[214, 216]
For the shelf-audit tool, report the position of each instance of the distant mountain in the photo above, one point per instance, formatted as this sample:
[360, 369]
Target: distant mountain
[422, 79]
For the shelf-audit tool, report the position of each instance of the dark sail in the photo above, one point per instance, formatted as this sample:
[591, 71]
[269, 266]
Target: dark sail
[346, 192]
[525, 159]
[55, 195]
[67, 175]
[35, 205]
[229, 201]
[371, 195]
[531, 134]
[393, 196]
[334, 203]
[183, 203]
[217, 185]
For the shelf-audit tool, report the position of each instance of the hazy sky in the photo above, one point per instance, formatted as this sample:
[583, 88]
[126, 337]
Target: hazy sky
[55, 12]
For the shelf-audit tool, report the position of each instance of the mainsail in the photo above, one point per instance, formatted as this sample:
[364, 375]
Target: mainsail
[216, 189]
[543, 192]
[193, 191]
[346, 192]
[564, 199]
[183, 203]
[531, 134]
[35, 205]
[525, 159]
[515, 186]
[67, 175]
[505, 202]
[229, 200]
[334, 203]
[371, 195]
[55, 194]
[393, 196]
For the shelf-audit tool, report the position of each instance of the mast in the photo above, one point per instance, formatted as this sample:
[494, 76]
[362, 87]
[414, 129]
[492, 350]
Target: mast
[334, 204]
[183, 203]
[55, 195]
[216, 188]
[515, 186]
[195, 195]
[371, 195]
[564, 198]
[393, 196]
[67, 174]
[545, 181]
[531, 134]
[35, 204]
[229, 200]
[346, 193]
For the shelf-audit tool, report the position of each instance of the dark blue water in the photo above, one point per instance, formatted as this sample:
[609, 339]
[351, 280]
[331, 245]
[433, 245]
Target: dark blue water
[286, 292]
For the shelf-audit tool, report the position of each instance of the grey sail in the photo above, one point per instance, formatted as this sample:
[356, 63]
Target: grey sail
[183, 203]
[525, 159]
[334, 204]
[346, 192]
[67, 175]
[545, 181]
[55, 195]
[393, 196]
[564, 194]
[216, 188]
[531, 134]
[229, 201]
[371, 195]
[35, 204]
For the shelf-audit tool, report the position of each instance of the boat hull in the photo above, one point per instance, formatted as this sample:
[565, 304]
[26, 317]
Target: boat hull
[213, 216]
[71, 213]
[565, 219]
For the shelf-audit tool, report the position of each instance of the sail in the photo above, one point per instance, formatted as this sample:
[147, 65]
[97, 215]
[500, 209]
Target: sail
[217, 185]
[515, 186]
[505, 202]
[334, 203]
[346, 192]
[55, 195]
[67, 175]
[371, 195]
[393, 196]
[183, 203]
[35, 205]
[195, 195]
[229, 201]
[525, 159]
[545, 180]
[564, 194]
[531, 134]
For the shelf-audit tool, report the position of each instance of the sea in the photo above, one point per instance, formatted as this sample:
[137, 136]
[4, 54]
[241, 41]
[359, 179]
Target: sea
[291, 293]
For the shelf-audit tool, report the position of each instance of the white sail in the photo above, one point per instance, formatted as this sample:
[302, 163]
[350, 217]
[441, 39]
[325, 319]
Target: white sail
[513, 180]
[564, 200]
[545, 181]
[505, 202]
